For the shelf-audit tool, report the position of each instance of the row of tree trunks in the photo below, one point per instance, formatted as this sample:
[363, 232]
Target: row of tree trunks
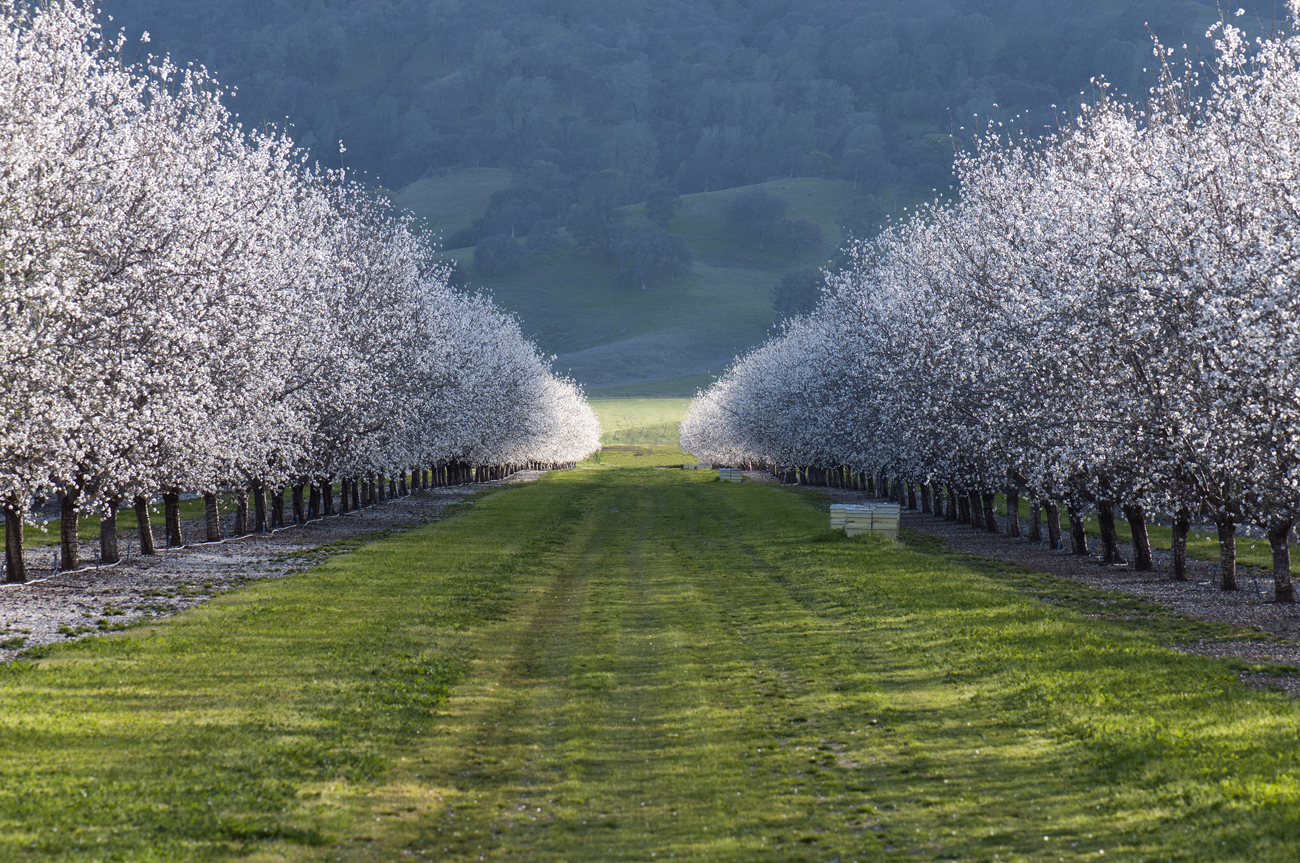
[320, 501]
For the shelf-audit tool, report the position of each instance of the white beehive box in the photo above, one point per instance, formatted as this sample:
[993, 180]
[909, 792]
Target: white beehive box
[879, 518]
[731, 473]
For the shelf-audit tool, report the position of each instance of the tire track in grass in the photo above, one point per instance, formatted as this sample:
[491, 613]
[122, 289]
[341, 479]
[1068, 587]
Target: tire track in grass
[635, 719]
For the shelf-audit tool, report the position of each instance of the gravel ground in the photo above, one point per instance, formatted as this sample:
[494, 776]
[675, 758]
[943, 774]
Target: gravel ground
[71, 605]
[1198, 597]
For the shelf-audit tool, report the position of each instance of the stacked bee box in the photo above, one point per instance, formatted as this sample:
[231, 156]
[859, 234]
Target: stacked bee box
[731, 473]
[879, 518]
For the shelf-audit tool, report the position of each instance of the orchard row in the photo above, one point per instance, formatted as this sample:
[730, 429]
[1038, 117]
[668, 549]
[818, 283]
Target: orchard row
[188, 304]
[1106, 318]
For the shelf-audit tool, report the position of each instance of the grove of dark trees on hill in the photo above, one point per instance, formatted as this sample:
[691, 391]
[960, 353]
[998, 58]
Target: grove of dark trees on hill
[694, 95]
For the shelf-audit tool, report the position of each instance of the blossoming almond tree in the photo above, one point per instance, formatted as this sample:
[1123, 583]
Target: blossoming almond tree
[1106, 316]
[190, 306]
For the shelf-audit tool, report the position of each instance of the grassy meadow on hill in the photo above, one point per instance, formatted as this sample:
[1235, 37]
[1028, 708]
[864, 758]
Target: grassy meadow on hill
[450, 202]
[674, 337]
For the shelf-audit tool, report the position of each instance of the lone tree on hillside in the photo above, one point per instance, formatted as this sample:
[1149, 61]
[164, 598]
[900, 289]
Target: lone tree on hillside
[662, 205]
[800, 235]
[596, 221]
[799, 291]
[497, 255]
[645, 257]
[756, 213]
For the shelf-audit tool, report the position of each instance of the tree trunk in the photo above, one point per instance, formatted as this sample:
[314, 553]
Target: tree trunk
[911, 495]
[927, 507]
[1227, 551]
[1279, 534]
[313, 502]
[392, 488]
[69, 521]
[143, 525]
[963, 509]
[356, 493]
[299, 510]
[402, 486]
[976, 510]
[883, 487]
[15, 566]
[172, 516]
[1052, 512]
[1078, 530]
[1013, 510]
[1137, 525]
[1036, 520]
[1178, 543]
[327, 492]
[212, 518]
[277, 508]
[259, 507]
[108, 552]
[954, 511]
[241, 511]
[1109, 536]
[990, 512]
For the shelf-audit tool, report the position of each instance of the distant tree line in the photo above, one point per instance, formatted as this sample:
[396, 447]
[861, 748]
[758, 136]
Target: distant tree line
[695, 95]
[526, 218]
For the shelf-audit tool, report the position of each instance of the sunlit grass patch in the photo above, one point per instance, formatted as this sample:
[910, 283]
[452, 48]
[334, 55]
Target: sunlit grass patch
[639, 455]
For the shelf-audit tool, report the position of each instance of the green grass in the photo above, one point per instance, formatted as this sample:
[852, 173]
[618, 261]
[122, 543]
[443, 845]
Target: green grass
[639, 455]
[448, 203]
[649, 665]
[640, 421]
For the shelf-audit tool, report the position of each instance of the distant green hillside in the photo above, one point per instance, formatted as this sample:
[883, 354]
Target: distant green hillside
[668, 340]
[452, 201]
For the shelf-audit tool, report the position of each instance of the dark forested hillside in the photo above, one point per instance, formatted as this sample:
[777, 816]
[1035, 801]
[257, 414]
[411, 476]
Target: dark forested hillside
[693, 94]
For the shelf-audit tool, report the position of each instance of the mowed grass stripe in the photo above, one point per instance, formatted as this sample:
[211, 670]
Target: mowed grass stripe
[233, 727]
[647, 665]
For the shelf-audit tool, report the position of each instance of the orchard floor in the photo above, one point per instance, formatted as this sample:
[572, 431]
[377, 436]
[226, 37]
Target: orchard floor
[53, 607]
[1200, 597]
[649, 665]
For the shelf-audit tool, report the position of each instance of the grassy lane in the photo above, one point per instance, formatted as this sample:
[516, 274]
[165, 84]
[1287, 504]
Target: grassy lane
[708, 675]
[648, 665]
